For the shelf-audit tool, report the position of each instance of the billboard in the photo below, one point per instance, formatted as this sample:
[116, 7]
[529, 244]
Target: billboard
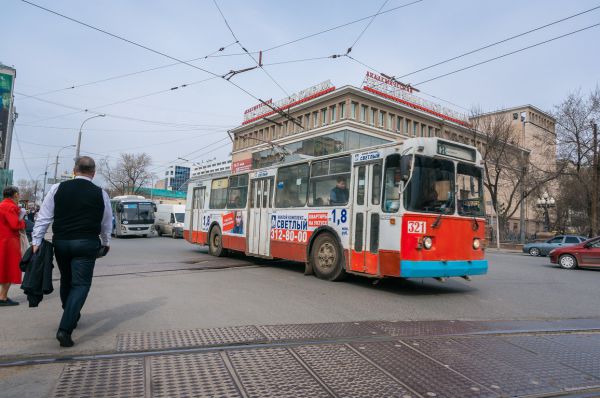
[7, 76]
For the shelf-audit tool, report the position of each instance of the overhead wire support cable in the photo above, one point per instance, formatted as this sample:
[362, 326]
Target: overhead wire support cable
[341, 26]
[508, 53]
[258, 64]
[139, 45]
[115, 77]
[367, 27]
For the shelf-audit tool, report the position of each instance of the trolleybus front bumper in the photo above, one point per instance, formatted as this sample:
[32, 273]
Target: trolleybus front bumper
[440, 269]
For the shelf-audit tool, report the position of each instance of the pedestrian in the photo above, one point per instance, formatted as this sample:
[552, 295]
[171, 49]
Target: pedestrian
[11, 222]
[81, 218]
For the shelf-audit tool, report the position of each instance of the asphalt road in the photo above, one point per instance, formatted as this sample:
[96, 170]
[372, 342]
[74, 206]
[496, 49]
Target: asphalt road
[149, 284]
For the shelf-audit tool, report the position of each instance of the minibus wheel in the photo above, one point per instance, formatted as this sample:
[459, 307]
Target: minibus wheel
[215, 243]
[326, 258]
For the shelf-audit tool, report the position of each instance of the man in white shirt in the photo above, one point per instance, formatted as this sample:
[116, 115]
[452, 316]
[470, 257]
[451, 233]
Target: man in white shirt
[81, 218]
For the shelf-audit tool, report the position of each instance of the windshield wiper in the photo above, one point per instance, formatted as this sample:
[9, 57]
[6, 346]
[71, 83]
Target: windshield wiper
[437, 221]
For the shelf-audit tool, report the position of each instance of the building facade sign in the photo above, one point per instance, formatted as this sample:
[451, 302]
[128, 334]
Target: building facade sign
[241, 165]
[261, 110]
[403, 93]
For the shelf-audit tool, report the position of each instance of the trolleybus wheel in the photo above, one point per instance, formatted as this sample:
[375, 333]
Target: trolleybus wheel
[326, 258]
[215, 243]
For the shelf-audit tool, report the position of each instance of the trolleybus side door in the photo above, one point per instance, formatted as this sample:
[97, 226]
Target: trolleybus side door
[366, 216]
[197, 206]
[260, 222]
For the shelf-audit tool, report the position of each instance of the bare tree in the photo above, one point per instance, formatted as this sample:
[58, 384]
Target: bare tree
[28, 190]
[579, 149]
[511, 175]
[128, 175]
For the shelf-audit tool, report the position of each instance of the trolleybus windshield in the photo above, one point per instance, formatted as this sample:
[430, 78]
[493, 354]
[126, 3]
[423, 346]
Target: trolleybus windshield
[470, 190]
[431, 188]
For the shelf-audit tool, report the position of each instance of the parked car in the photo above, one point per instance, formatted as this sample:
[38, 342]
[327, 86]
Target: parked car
[584, 255]
[543, 248]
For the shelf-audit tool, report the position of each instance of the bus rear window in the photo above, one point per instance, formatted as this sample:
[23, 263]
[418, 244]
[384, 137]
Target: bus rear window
[218, 194]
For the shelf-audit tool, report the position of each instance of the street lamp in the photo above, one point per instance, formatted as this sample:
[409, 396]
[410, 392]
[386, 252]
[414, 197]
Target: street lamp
[79, 136]
[545, 203]
[57, 155]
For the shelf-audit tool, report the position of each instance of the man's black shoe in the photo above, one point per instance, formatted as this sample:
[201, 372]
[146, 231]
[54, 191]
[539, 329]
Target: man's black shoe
[64, 338]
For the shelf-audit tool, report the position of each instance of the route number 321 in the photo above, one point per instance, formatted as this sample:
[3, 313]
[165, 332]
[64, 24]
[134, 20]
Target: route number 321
[416, 227]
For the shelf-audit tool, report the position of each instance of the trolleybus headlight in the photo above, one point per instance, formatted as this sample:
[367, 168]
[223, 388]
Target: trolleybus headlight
[476, 243]
[427, 243]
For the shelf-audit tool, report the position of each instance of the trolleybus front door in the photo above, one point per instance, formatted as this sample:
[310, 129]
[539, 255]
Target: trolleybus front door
[365, 223]
[259, 230]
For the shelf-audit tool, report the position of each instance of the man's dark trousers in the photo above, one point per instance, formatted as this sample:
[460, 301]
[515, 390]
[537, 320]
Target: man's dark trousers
[76, 259]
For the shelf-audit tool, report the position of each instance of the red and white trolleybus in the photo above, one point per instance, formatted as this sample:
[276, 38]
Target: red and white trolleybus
[413, 210]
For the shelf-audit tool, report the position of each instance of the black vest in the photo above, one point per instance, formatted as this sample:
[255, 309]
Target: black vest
[78, 210]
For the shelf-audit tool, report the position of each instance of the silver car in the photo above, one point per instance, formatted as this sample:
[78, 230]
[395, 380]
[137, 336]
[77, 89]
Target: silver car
[543, 248]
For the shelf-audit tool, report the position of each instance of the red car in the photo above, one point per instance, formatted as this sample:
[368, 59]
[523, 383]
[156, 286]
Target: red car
[585, 255]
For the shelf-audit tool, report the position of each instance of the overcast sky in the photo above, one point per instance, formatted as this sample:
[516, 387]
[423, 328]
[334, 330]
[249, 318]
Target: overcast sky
[52, 53]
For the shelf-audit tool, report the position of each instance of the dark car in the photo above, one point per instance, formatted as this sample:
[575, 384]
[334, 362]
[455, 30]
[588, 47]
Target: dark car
[584, 255]
[543, 248]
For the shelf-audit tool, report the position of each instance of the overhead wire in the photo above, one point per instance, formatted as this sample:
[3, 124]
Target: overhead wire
[22, 154]
[142, 47]
[74, 86]
[367, 27]
[507, 54]
[246, 51]
[498, 42]
[341, 26]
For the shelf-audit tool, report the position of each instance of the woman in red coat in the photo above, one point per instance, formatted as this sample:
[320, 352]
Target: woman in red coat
[11, 221]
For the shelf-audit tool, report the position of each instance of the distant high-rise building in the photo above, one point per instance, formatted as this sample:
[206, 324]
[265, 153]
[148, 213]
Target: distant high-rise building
[176, 177]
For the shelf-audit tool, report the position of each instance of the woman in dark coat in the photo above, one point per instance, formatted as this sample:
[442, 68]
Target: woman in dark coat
[11, 221]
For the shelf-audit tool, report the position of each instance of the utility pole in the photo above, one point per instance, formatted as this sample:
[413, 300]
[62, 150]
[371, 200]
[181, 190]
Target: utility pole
[523, 171]
[595, 179]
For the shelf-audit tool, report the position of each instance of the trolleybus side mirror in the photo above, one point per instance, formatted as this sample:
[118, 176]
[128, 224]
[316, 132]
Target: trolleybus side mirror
[119, 207]
[154, 206]
[405, 163]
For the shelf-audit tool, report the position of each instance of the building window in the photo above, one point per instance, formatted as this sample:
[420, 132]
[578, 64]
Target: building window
[323, 116]
[363, 113]
[381, 118]
[315, 119]
[415, 129]
[373, 116]
[423, 130]
[399, 124]
[333, 113]
[407, 124]
[390, 125]
[353, 110]
[342, 110]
